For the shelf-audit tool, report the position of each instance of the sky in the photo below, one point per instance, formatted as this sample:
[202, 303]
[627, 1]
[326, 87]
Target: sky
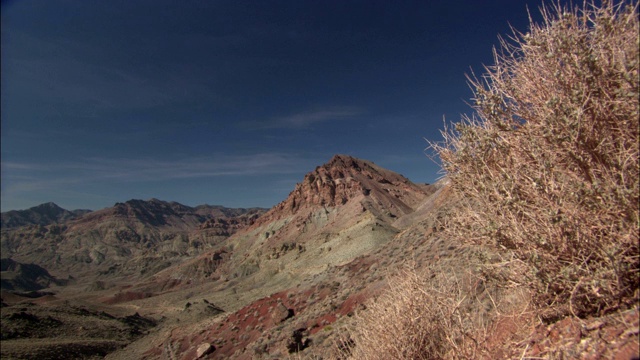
[229, 102]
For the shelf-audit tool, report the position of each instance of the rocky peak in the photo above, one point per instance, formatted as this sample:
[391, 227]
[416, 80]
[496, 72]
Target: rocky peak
[43, 214]
[331, 184]
[48, 207]
[340, 180]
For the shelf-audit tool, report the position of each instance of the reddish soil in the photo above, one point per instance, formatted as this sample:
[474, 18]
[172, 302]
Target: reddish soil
[609, 337]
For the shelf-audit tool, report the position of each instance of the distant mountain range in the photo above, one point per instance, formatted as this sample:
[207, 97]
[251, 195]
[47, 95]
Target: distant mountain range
[43, 215]
[128, 237]
[153, 212]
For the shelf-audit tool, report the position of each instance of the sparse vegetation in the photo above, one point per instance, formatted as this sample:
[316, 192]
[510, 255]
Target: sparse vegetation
[407, 322]
[546, 171]
[548, 165]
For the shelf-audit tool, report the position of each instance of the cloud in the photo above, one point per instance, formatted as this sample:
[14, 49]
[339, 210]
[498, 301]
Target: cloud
[306, 119]
[21, 177]
[152, 169]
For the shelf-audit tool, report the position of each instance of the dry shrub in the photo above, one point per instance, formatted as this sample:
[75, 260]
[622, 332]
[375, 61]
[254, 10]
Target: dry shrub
[406, 322]
[445, 312]
[548, 165]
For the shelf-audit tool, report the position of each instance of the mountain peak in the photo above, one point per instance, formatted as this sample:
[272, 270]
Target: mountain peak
[47, 206]
[342, 179]
[341, 159]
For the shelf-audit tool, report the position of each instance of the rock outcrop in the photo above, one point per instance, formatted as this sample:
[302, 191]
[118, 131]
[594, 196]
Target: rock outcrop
[345, 178]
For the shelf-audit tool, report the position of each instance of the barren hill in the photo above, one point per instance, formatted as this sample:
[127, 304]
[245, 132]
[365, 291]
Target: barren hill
[339, 211]
[25, 277]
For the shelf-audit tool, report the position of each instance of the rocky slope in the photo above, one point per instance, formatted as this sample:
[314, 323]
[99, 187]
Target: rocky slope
[300, 271]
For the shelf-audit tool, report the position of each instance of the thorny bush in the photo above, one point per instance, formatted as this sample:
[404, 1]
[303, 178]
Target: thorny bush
[547, 166]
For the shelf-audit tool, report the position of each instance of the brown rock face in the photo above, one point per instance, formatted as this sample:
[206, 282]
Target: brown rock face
[345, 178]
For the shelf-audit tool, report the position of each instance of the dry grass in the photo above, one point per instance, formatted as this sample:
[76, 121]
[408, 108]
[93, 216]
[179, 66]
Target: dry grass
[446, 312]
[407, 322]
[548, 165]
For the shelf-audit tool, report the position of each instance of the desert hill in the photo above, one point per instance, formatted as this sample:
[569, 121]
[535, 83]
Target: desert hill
[43, 214]
[339, 211]
[301, 270]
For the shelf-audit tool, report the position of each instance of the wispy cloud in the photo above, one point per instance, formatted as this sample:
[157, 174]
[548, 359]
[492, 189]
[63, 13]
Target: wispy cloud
[307, 118]
[142, 169]
[97, 182]
[31, 176]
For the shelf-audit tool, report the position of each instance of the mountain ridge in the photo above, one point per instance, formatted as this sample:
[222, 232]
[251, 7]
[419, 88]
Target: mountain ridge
[127, 236]
[43, 214]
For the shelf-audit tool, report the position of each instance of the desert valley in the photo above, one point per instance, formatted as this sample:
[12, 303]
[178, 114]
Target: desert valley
[159, 280]
[153, 279]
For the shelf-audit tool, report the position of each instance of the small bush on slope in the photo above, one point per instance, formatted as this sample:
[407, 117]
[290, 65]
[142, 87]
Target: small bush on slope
[447, 311]
[413, 320]
[548, 165]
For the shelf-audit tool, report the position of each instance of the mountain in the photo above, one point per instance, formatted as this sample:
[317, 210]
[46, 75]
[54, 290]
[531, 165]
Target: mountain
[303, 268]
[42, 215]
[131, 238]
[244, 283]
[347, 179]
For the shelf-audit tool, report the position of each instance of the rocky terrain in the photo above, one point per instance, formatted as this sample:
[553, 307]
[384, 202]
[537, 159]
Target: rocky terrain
[161, 280]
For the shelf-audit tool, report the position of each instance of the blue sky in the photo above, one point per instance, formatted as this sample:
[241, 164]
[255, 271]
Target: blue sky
[228, 102]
